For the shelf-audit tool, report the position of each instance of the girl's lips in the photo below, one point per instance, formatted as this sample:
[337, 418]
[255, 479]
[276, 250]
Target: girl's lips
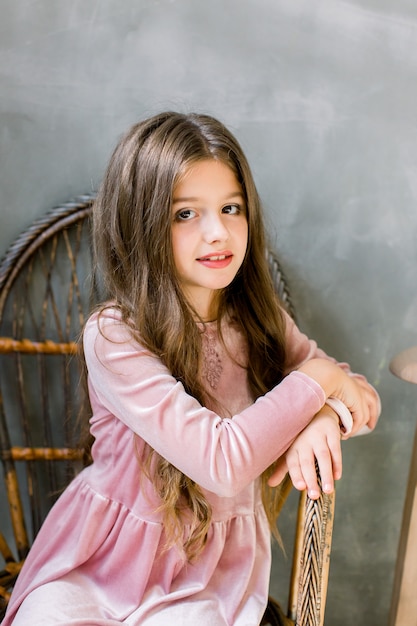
[218, 260]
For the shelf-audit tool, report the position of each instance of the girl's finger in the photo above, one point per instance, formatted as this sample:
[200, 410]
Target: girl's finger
[336, 455]
[325, 463]
[279, 472]
[294, 470]
[305, 474]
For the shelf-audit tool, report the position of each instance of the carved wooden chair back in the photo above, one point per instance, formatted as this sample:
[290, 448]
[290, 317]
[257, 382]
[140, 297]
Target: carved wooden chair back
[47, 288]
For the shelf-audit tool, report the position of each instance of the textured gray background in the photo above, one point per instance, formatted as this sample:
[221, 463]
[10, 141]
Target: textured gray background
[322, 96]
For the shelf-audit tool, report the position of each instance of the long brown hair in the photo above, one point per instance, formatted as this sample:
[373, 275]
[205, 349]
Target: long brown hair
[132, 238]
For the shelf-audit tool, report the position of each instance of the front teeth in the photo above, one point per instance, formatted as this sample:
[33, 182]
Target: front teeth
[217, 258]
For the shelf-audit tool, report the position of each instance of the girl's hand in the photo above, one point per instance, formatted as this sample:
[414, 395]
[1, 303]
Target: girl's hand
[355, 394]
[320, 441]
[371, 400]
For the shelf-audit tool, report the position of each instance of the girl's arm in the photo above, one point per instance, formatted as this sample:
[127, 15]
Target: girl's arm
[221, 455]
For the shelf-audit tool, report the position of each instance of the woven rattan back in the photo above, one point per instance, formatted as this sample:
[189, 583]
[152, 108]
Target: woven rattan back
[47, 288]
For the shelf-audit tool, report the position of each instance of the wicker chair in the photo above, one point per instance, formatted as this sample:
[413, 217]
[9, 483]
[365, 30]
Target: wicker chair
[47, 288]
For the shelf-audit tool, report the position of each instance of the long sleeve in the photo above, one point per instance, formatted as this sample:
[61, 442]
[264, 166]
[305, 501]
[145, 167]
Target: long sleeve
[221, 455]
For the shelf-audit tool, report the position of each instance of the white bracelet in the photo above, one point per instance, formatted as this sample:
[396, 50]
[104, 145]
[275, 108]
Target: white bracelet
[345, 417]
[343, 412]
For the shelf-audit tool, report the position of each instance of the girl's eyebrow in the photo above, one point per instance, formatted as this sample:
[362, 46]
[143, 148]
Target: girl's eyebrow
[231, 196]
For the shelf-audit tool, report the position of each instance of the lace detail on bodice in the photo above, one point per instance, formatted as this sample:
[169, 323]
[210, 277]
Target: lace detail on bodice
[212, 365]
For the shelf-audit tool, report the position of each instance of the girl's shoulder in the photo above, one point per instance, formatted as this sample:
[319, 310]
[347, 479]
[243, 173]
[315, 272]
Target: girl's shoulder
[107, 326]
[106, 316]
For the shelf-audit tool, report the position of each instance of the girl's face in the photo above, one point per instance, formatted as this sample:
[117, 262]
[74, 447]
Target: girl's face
[209, 232]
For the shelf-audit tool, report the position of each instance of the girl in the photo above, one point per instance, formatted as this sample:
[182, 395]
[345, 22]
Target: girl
[198, 383]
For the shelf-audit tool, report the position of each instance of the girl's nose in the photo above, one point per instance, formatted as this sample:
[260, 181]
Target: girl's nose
[214, 229]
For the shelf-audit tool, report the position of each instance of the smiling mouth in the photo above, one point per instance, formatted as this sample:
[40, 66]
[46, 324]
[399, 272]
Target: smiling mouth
[216, 261]
[218, 257]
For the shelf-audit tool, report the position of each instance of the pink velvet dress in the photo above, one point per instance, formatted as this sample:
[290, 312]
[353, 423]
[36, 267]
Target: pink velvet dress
[99, 558]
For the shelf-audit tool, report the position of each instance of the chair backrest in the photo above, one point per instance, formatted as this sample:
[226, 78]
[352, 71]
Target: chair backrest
[47, 288]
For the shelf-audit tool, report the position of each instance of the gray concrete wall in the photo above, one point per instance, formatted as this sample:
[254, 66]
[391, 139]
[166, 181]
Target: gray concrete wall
[322, 95]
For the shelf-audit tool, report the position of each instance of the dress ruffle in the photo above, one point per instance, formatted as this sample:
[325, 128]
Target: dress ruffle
[119, 563]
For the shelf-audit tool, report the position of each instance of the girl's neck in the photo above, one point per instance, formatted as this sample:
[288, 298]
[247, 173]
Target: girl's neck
[207, 312]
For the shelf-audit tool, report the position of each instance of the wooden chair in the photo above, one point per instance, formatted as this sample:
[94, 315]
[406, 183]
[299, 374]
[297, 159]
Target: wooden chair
[47, 288]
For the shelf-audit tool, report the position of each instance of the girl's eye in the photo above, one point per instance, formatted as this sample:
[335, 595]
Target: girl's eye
[185, 214]
[231, 209]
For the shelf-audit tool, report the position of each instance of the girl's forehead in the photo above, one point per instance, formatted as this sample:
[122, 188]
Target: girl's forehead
[204, 170]
[208, 181]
